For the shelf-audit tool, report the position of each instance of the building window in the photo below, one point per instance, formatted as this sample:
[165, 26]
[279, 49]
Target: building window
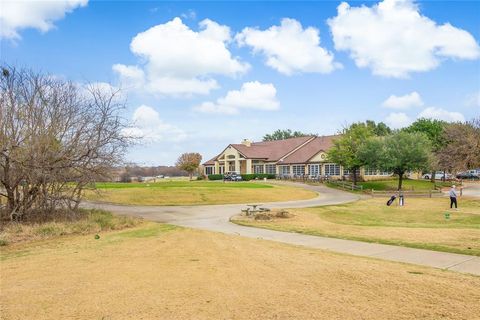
[209, 170]
[222, 169]
[298, 170]
[270, 169]
[284, 170]
[258, 168]
[314, 170]
[347, 172]
[384, 173]
[231, 167]
[370, 171]
[332, 169]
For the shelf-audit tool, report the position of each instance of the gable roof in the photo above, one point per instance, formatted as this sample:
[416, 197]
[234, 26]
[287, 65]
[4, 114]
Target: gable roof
[310, 149]
[293, 150]
[210, 162]
[271, 150]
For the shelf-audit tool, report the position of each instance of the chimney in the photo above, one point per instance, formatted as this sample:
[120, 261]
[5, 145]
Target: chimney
[246, 142]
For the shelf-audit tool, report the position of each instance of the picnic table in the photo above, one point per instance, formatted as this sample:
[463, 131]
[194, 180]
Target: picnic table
[253, 210]
[254, 206]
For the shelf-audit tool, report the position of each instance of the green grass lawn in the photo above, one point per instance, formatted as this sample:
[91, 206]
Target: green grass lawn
[195, 192]
[407, 184]
[170, 184]
[421, 223]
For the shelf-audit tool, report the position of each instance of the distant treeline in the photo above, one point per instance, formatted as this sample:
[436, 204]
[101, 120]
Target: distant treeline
[130, 173]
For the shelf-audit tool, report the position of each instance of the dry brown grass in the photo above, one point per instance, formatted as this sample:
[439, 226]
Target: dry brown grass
[421, 223]
[187, 274]
[85, 222]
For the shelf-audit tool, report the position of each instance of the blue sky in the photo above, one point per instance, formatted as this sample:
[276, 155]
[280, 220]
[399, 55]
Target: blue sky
[199, 75]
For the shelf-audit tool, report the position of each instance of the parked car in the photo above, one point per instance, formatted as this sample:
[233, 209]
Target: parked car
[475, 172]
[232, 176]
[439, 175]
[467, 175]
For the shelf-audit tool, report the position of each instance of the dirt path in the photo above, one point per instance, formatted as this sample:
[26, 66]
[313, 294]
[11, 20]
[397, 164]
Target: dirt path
[216, 218]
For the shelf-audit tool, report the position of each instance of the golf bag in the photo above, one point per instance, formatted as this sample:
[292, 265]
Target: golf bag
[390, 201]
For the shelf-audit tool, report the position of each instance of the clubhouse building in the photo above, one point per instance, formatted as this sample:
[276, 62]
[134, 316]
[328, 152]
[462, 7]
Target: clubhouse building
[295, 157]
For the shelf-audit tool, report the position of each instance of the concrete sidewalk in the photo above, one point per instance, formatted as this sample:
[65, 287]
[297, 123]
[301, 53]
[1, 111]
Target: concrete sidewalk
[216, 218]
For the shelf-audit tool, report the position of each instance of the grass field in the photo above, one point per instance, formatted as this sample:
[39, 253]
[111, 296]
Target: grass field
[407, 184]
[421, 223]
[161, 272]
[195, 192]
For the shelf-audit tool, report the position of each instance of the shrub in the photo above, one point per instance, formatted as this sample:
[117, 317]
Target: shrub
[253, 176]
[215, 177]
[282, 214]
[248, 177]
[262, 216]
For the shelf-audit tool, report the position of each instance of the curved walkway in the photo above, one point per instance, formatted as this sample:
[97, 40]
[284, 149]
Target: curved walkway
[471, 189]
[216, 218]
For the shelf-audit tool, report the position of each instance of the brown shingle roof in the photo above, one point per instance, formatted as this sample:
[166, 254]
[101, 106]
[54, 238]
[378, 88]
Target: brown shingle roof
[210, 162]
[310, 149]
[271, 150]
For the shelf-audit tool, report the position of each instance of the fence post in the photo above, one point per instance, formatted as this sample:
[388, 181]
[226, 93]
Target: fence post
[372, 193]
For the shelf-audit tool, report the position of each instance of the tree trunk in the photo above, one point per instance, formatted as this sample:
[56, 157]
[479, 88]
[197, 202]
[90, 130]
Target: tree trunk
[432, 178]
[10, 200]
[190, 174]
[354, 176]
[400, 180]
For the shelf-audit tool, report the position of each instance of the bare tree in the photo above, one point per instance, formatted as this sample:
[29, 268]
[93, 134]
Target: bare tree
[55, 139]
[189, 162]
[462, 148]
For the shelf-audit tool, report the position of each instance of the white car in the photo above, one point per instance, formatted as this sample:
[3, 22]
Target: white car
[439, 175]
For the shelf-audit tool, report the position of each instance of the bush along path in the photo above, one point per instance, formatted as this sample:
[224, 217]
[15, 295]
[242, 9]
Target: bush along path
[217, 218]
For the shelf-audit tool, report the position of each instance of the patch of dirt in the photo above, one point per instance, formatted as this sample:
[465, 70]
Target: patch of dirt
[190, 274]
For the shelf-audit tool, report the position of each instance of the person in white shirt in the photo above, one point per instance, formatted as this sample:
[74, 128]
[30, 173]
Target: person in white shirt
[453, 197]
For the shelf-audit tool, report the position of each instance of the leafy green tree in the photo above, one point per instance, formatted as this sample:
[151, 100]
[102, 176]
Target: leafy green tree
[399, 153]
[284, 134]
[345, 149]
[379, 129]
[434, 130]
[189, 162]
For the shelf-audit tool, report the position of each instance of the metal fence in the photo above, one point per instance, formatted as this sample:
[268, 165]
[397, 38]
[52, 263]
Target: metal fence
[346, 185]
[407, 193]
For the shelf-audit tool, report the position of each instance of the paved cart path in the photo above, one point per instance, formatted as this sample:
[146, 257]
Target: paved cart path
[216, 218]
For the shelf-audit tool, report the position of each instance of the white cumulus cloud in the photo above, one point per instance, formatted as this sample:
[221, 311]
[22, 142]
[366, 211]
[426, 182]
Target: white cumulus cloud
[473, 100]
[441, 114]
[176, 60]
[393, 39]
[397, 120]
[289, 48]
[407, 101]
[148, 126]
[252, 95]
[16, 15]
